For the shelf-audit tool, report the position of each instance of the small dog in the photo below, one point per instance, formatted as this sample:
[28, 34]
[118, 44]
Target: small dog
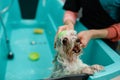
[67, 61]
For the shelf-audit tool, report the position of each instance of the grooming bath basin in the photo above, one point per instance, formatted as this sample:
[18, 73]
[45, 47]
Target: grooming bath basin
[20, 22]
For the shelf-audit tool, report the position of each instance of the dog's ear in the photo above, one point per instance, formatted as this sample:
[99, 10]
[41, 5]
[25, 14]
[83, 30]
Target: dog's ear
[54, 44]
[55, 40]
[55, 59]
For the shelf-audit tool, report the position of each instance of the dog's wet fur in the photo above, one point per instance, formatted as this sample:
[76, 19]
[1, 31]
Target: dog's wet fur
[67, 60]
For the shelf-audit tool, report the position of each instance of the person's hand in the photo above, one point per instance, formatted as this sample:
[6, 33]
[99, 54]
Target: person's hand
[84, 37]
[68, 26]
[65, 27]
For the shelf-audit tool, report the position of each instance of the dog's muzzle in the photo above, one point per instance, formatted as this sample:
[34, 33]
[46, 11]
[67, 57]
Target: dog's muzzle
[77, 47]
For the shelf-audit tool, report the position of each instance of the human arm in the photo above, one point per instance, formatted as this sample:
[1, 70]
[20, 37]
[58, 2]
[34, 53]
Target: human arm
[69, 21]
[112, 33]
[71, 8]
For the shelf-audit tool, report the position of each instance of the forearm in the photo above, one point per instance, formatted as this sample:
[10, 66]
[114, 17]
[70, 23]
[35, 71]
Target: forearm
[69, 21]
[112, 33]
[102, 33]
[70, 18]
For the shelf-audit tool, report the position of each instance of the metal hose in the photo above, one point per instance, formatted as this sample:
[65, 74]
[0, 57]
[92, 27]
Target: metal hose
[4, 28]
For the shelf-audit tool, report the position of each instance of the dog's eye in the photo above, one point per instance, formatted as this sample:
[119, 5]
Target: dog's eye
[65, 41]
[78, 40]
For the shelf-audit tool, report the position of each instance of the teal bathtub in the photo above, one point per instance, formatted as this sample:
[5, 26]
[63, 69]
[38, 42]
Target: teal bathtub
[48, 17]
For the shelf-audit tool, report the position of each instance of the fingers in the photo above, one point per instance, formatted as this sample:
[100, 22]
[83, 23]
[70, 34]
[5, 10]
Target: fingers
[83, 43]
[64, 27]
[83, 39]
[61, 29]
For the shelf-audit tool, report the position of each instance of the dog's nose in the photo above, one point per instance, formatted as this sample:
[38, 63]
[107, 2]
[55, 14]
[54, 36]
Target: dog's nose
[65, 40]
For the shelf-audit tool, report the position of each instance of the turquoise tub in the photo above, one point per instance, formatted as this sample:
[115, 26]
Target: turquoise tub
[48, 16]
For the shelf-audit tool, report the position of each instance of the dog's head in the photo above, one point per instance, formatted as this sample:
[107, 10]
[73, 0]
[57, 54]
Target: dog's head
[67, 44]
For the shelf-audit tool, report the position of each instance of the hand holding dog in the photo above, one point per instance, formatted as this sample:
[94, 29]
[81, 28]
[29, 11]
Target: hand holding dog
[68, 26]
[84, 37]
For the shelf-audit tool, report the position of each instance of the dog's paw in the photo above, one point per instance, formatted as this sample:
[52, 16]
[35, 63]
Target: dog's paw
[87, 70]
[97, 67]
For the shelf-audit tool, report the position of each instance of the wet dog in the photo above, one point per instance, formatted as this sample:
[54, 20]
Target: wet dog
[67, 60]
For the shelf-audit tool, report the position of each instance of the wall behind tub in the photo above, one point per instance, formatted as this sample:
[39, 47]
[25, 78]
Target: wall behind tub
[3, 54]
